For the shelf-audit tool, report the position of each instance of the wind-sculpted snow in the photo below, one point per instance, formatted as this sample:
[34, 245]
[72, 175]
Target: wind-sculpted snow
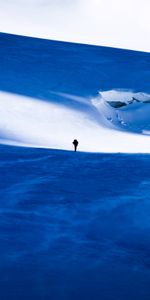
[53, 92]
[74, 225]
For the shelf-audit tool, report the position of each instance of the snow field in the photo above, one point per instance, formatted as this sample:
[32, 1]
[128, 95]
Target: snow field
[31, 122]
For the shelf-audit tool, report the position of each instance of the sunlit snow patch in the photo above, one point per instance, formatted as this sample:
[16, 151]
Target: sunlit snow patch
[27, 121]
[99, 127]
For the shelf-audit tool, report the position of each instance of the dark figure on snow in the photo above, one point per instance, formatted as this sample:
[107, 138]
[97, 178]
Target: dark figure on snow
[75, 143]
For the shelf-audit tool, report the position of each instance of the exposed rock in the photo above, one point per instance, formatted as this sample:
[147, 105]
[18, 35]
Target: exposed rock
[116, 104]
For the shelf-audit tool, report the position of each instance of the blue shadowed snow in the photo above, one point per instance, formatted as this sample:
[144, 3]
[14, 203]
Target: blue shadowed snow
[38, 68]
[74, 225]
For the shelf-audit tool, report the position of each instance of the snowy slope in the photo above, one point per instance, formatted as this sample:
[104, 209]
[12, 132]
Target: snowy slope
[74, 225]
[29, 122]
[53, 92]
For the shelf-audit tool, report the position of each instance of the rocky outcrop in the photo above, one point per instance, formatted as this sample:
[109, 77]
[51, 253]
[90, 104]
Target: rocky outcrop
[116, 104]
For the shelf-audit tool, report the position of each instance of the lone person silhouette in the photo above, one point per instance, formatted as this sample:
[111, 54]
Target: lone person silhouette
[75, 143]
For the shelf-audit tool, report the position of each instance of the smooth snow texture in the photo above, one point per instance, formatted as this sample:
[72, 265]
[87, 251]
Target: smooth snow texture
[116, 23]
[100, 128]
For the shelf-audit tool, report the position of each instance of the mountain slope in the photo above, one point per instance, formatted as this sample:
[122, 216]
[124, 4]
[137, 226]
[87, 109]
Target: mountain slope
[53, 92]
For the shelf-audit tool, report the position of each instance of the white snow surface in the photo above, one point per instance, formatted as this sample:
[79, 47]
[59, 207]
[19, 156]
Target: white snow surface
[116, 23]
[101, 128]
